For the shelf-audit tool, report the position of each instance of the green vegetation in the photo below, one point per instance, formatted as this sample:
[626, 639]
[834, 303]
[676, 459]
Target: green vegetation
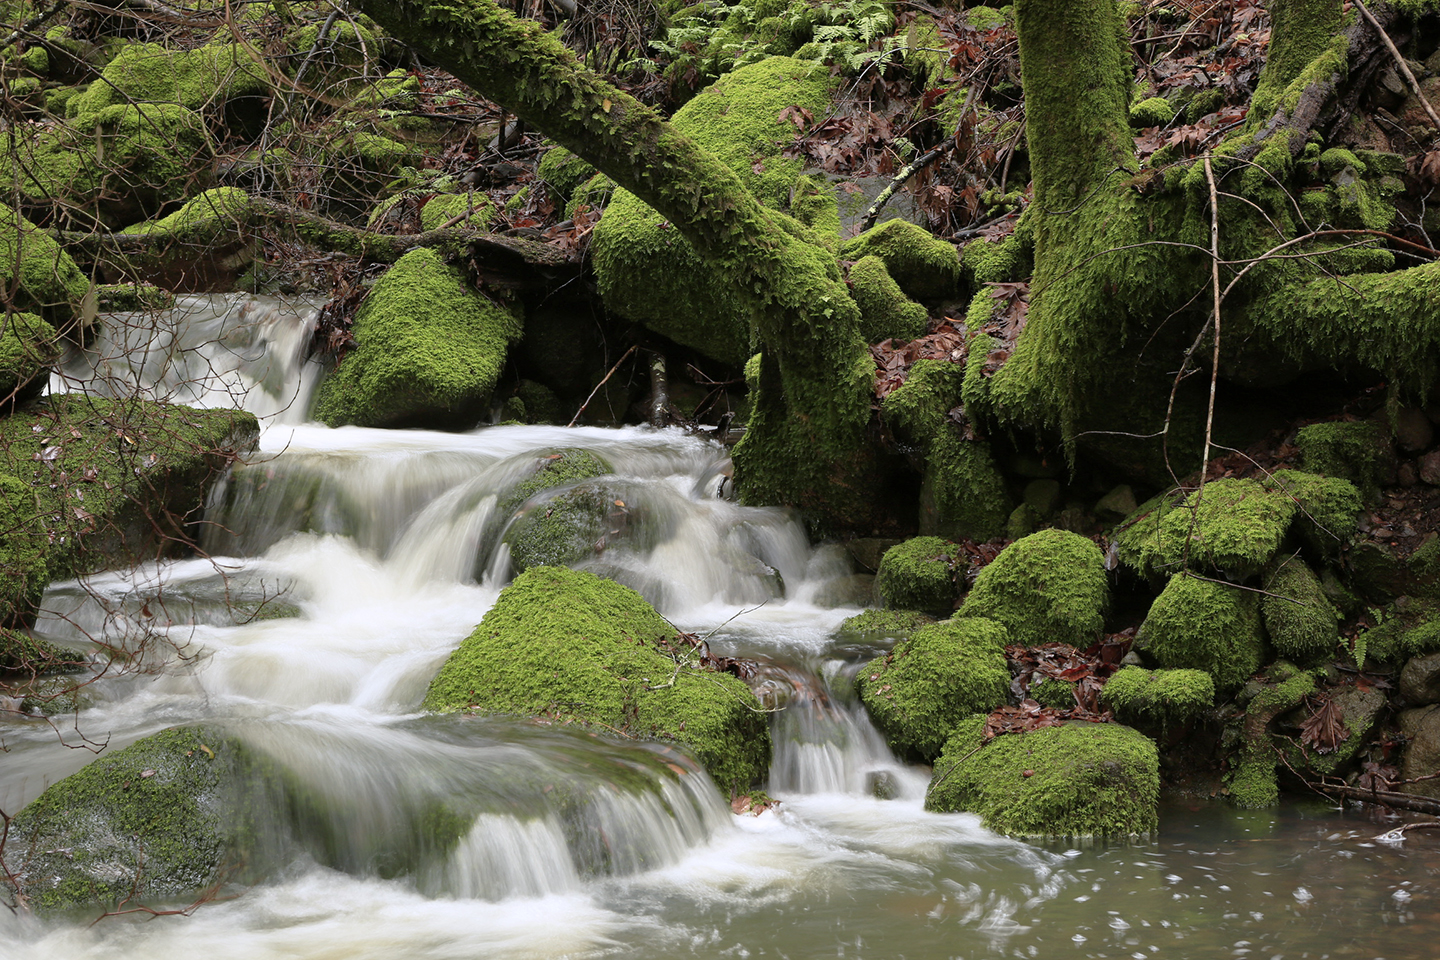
[1203, 625]
[1076, 780]
[1158, 697]
[915, 575]
[1231, 525]
[944, 672]
[27, 349]
[43, 277]
[885, 311]
[1355, 450]
[1048, 587]
[925, 267]
[877, 624]
[1298, 616]
[566, 645]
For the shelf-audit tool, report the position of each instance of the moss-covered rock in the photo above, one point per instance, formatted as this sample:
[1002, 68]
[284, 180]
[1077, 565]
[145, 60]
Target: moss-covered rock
[1048, 587]
[877, 625]
[1327, 509]
[88, 483]
[1052, 692]
[1298, 616]
[1253, 783]
[163, 818]
[1355, 450]
[1152, 112]
[915, 575]
[567, 645]
[1231, 525]
[562, 172]
[1203, 625]
[1158, 697]
[221, 77]
[885, 311]
[921, 690]
[429, 350]
[565, 526]
[44, 278]
[648, 272]
[27, 350]
[924, 266]
[1074, 780]
[24, 654]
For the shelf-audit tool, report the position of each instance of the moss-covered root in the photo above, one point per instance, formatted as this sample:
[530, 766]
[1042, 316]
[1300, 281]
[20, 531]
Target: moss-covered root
[1050, 586]
[885, 311]
[923, 688]
[568, 645]
[1203, 625]
[1254, 783]
[430, 349]
[1077, 780]
[1298, 616]
[923, 266]
[169, 816]
[916, 575]
[1158, 698]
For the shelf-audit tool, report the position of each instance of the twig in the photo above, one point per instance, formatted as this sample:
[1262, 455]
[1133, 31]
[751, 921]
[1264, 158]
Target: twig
[1399, 62]
[602, 383]
[1385, 798]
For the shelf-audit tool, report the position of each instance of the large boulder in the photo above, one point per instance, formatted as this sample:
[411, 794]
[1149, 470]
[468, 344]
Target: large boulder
[1046, 588]
[929, 683]
[162, 819]
[1076, 780]
[1232, 525]
[429, 350]
[569, 646]
[647, 272]
[1203, 625]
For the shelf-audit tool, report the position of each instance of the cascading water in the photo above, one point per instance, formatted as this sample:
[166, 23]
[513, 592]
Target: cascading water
[343, 567]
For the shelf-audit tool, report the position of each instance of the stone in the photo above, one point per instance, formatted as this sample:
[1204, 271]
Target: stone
[1407, 474]
[1420, 680]
[1413, 430]
[867, 551]
[855, 590]
[1422, 754]
[1430, 468]
[1118, 503]
[1043, 495]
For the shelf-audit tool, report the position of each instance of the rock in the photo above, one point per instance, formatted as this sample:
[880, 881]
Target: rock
[945, 672]
[915, 575]
[1357, 450]
[1050, 586]
[1043, 495]
[878, 626]
[27, 352]
[47, 285]
[568, 645]
[1298, 616]
[429, 350]
[565, 526]
[1119, 502]
[1430, 468]
[1420, 680]
[1201, 625]
[1413, 430]
[1158, 697]
[855, 590]
[1077, 780]
[1233, 526]
[1024, 520]
[1360, 712]
[1407, 474]
[925, 267]
[867, 551]
[1422, 754]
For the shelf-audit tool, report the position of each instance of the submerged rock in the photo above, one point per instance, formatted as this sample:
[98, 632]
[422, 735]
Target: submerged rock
[1076, 780]
[568, 646]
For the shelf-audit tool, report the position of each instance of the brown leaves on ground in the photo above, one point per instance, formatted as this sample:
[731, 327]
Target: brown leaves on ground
[1006, 323]
[1325, 729]
[1088, 669]
[947, 340]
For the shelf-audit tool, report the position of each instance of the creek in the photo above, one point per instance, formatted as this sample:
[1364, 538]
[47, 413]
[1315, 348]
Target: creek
[345, 564]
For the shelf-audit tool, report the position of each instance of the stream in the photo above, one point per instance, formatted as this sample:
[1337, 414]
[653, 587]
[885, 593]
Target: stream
[345, 564]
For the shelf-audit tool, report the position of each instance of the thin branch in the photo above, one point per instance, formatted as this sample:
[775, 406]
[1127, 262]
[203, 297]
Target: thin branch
[1399, 62]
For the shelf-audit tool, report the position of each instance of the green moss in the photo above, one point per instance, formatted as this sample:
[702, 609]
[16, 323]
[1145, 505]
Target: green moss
[1327, 509]
[211, 78]
[1158, 697]
[563, 172]
[210, 217]
[1253, 785]
[1308, 47]
[167, 816]
[925, 267]
[132, 297]
[27, 349]
[594, 193]
[1048, 587]
[1229, 525]
[564, 528]
[31, 655]
[44, 279]
[990, 261]
[921, 690]
[1298, 616]
[1154, 112]
[99, 483]
[475, 211]
[1355, 450]
[568, 645]
[1202, 625]
[1053, 692]
[648, 272]
[885, 311]
[430, 349]
[1076, 780]
[877, 624]
[915, 575]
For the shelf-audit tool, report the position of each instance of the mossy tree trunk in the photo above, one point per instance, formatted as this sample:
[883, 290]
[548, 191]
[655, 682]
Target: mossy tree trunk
[816, 391]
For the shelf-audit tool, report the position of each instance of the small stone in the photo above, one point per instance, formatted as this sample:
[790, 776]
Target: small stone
[1043, 495]
[1118, 503]
[1413, 430]
[1430, 468]
[1407, 475]
[1420, 680]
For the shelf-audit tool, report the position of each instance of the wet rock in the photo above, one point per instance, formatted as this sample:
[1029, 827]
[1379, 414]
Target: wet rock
[1413, 430]
[1420, 680]
[867, 551]
[856, 590]
[1422, 753]
[1407, 474]
[1119, 502]
[1429, 466]
[1201, 625]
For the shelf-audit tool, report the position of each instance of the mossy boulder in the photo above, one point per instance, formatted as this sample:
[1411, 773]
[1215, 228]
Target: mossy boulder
[921, 690]
[647, 272]
[568, 645]
[160, 820]
[1327, 509]
[885, 311]
[1231, 525]
[1076, 780]
[1298, 616]
[1151, 112]
[1048, 587]
[566, 526]
[44, 279]
[1158, 697]
[225, 78]
[1203, 625]
[27, 350]
[915, 575]
[877, 625]
[429, 350]
[925, 267]
[95, 483]
[21, 653]
[1355, 450]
